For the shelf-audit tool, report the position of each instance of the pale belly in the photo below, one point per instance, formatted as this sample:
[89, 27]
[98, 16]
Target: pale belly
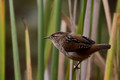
[74, 56]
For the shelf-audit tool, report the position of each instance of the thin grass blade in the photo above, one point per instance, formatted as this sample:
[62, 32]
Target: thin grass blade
[2, 39]
[47, 12]
[82, 15]
[48, 44]
[118, 6]
[40, 41]
[14, 42]
[111, 52]
[54, 71]
[118, 39]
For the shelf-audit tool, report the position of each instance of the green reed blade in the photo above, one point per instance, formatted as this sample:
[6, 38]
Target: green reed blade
[2, 39]
[54, 71]
[40, 41]
[14, 42]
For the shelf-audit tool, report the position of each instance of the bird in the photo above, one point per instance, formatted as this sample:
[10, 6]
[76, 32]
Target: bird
[74, 46]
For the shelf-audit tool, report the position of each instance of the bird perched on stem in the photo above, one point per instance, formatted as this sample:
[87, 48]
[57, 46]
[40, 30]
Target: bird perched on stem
[74, 46]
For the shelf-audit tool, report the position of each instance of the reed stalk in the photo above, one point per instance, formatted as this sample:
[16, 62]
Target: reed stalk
[40, 41]
[2, 39]
[82, 16]
[111, 52]
[54, 70]
[14, 42]
[86, 33]
[47, 12]
[48, 44]
[108, 15]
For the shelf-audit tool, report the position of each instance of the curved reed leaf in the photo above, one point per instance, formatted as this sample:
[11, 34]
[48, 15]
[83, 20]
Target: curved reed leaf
[28, 57]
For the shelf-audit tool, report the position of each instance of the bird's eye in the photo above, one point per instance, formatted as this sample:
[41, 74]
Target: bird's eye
[54, 36]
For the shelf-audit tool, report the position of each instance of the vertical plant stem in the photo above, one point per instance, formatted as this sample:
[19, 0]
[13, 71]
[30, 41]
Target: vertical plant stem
[110, 56]
[118, 38]
[71, 67]
[72, 26]
[116, 67]
[48, 44]
[86, 33]
[28, 57]
[93, 34]
[67, 20]
[74, 15]
[81, 19]
[14, 42]
[70, 12]
[100, 23]
[87, 19]
[74, 30]
[61, 56]
[107, 13]
[47, 13]
[54, 72]
[95, 19]
[67, 72]
[98, 59]
[72, 19]
[118, 51]
[2, 39]
[118, 6]
[40, 41]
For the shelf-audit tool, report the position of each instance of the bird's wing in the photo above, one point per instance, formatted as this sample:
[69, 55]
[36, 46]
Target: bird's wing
[77, 43]
[82, 39]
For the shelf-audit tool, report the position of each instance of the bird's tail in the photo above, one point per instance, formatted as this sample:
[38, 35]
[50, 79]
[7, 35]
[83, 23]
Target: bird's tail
[103, 46]
[97, 47]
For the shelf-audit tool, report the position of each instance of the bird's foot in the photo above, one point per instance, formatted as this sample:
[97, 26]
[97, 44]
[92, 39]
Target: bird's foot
[76, 67]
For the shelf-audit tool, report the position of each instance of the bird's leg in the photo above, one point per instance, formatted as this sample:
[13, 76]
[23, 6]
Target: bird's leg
[76, 67]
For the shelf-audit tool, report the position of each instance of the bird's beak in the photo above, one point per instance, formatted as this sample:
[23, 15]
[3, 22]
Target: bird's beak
[48, 37]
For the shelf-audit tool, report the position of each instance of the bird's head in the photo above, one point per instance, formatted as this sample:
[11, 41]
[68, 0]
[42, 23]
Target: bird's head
[56, 36]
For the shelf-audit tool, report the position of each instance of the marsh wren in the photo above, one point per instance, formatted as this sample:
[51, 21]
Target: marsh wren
[74, 46]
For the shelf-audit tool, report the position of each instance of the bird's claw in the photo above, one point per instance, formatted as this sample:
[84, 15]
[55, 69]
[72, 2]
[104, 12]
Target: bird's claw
[76, 67]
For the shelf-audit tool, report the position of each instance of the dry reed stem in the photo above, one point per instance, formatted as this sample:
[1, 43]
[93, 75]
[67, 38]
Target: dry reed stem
[71, 16]
[71, 21]
[67, 21]
[108, 16]
[28, 57]
[74, 30]
[109, 61]
[96, 9]
[86, 33]
[74, 16]
[61, 56]
[115, 68]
